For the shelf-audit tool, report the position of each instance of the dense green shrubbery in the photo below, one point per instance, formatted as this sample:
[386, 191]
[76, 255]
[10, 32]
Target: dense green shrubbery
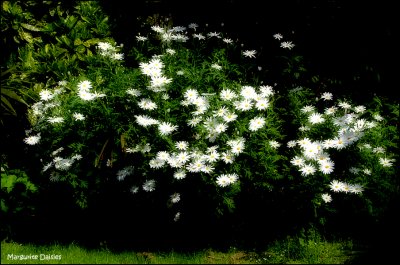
[195, 121]
[45, 42]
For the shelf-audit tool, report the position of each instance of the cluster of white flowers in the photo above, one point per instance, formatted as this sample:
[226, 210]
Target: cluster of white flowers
[110, 51]
[143, 148]
[153, 69]
[284, 44]
[60, 163]
[173, 34]
[349, 128]
[208, 120]
[212, 121]
[339, 186]
[84, 91]
[226, 179]
[121, 174]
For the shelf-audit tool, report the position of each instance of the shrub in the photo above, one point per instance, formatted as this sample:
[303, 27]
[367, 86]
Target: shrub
[195, 121]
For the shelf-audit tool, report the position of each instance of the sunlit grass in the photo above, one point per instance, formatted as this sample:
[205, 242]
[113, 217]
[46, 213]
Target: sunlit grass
[292, 250]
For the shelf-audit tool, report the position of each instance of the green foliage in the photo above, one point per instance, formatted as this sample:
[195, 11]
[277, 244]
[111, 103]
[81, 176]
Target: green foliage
[10, 92]
[50, 45]
[17, 188]
[307, 248]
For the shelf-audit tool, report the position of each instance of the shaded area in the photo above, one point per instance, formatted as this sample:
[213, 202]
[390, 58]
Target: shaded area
[348, 41]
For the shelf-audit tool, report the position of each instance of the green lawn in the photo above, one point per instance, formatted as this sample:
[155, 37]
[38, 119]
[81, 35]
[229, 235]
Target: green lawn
[289, 251]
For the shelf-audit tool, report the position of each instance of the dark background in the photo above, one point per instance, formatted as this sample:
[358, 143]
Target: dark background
[352, 41]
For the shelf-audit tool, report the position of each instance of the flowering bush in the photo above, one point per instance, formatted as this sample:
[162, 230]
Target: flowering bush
[189, 120]
[181, 116]
[343, 149]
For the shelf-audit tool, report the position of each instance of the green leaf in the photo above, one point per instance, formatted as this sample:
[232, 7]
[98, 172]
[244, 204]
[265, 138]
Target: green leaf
[77, 42]
[80, 49]
[70, 21]
[90, 42]
[16, 39]
[30, 27]
[6, 6]
[7, 106]
[8, 181]
[11, 94]
[4, 207]
[30, 187]
[26, 36]
[46, 48]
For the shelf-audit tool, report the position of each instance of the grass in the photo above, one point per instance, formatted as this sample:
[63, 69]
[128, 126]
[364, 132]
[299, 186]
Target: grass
[292, 250]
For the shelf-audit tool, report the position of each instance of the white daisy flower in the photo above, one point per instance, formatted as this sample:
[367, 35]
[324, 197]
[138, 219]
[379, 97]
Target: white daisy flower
[367, 171]
[227, 94]
[287, 45]
[55, 119]
[84, 85]
[182, 157]
[134, 189]
[266, 91]
[78, 116]
[250, 53]
[277, 36]
[344, 105]
[180, 174]
[227, 157]
[248, 92]
[326, 197]
[359, 109]
[193, 26]
[326, 166]
[199, 36]
[274, 144]
[149, 185]
[147, 104]
[141, 38]
[336, 186]
[182, 145]
[327, 96]
[307, 170]
[307, 108]
[262, 104]
[330, 110]
[216, 66]
[33, 139]
[165, 128]
[229, 117]
[228, 41]
[291, 144]
[378, 117]
[297, 161]
[163, 155]
[134, 92]
[386, 162]
[356, 188]
[316, 118]
[256, 123]
[176, 197]
[46, 95]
